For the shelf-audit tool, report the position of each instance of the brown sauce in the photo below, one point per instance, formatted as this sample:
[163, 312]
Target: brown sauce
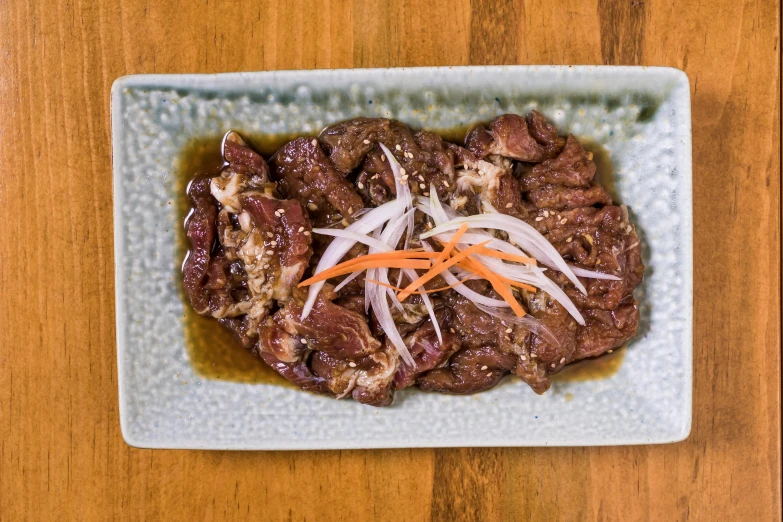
[604, 170]
[213, 351]
[454, 134]
[595, 369]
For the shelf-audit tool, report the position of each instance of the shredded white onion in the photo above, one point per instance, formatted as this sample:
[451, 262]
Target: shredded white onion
[344, 282]
[403, 189]
[464, 290]
[403, 192]
[518, 231]
[582, 272]
[474, 238]
[523, 273]
[391, 237]
[339, 247]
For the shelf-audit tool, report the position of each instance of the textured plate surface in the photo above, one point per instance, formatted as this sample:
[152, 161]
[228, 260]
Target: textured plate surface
[641, 116]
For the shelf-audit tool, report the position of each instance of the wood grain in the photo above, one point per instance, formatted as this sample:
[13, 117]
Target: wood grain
[61, 453]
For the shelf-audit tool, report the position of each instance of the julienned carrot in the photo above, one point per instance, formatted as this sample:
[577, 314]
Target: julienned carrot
[379, 256]
[500, 288]
[469, 264]
[507, 257]
[420, 292]
[437, 268]
[397, 254]
[511, 282]
[338, 270]
[448, 247]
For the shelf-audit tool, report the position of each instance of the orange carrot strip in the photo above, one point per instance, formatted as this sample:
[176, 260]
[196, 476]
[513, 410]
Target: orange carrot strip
[506, 257]
[469, 264]
[448, 247]
[397, 254]
[382, 263]
[437, 268]
[500, 288]
[517, 284]
[390, 256]
[420, 292]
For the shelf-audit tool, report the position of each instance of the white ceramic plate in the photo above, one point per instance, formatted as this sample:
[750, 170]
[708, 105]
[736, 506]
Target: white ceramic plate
[640, 115]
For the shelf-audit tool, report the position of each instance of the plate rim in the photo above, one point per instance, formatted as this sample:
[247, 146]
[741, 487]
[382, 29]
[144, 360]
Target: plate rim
[198, 81]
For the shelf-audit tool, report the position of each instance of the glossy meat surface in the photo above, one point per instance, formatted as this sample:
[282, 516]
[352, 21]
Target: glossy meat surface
[251, 244]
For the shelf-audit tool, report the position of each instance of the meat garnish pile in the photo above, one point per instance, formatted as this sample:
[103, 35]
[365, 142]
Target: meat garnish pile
[251, 243]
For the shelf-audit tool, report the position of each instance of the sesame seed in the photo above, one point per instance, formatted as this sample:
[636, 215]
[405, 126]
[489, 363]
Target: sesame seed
[345, 222]
[307, 232]
[277, 213]
[509, 330]
[383, 157]
[562, 360]
[507, 338]
[398, 147]
[484, 367]
[523, 358]
[628, 229]
[589, 238]
[266, 265]
[546, 213]
[451, 330]
[350, 210]
[301, 229]
[533, 356]
[422, 186]
[282, 211]
[314, 142]
[563, 221]
[402, 172]
[304, 341]
[270, 252]
[312, 206]
[569, 238]
[366, 142]
[273, 243]
[404, 180]
[558, 217]
[610, 351]
[509, 205]
[352, 364]
[375, 177]
[269, 234]
[553, 365]
[426, 193]
[539, 218]
[489, 374]
[445, 183]
[360, 185]
[597, 262]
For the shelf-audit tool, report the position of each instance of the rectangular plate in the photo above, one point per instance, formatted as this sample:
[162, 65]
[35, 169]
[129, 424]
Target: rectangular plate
[640, 115]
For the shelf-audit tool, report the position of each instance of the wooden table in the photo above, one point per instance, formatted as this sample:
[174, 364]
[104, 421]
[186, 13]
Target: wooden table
[61, 452]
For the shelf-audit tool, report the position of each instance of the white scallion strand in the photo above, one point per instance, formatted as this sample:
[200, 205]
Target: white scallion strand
[339, 247]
